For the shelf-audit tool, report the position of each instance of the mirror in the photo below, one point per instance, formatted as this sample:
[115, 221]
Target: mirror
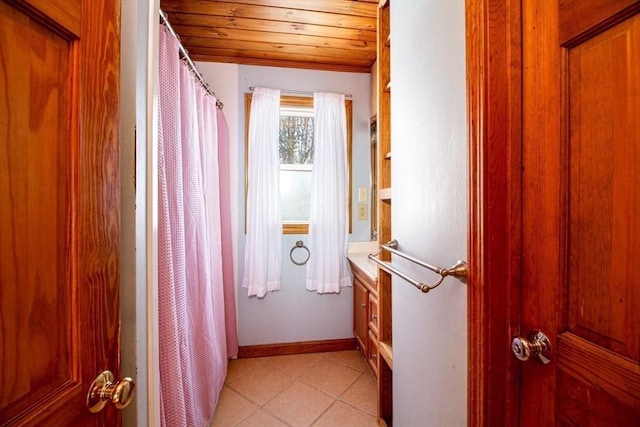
[373, 134]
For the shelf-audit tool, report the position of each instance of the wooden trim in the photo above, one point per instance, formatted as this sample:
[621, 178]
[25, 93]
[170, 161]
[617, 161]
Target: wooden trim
[494, 110]
[266, 350]
[348, 105]
[297, 228]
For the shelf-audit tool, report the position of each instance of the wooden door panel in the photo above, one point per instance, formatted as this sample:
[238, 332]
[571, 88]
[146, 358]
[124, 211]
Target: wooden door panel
[35, 220]
[599, 355]
[577, 162]
[601, 372]
[585, 406]
[579, 18]
[59, 208]
[581, 193]
[604, 189]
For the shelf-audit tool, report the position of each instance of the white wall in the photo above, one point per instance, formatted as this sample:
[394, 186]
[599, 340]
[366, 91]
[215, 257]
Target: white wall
[294, 314]
[429, 219]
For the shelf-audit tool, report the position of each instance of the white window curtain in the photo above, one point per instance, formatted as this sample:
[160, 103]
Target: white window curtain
[327, 269]
[263, 246]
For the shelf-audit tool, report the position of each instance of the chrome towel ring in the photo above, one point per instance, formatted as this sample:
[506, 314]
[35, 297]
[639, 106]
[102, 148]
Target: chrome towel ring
[299, 244]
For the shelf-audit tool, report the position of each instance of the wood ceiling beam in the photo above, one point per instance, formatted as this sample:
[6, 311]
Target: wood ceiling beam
[279, 56]
[241, 10]
[283, 49]
[223, 22]
[286, 64]
[341, 7]
[187, 34]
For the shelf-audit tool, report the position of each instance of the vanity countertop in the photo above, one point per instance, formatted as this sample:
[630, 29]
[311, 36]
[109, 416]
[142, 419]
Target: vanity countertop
[358, 252]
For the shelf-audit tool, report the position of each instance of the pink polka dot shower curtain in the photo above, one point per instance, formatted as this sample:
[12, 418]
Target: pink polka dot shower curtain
[191, 309]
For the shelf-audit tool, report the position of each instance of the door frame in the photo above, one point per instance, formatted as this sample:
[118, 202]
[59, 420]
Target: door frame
[494, 108]
[139, 208]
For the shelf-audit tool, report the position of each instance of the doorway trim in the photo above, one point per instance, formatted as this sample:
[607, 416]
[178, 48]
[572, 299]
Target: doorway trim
[139, 193]
[494, 98]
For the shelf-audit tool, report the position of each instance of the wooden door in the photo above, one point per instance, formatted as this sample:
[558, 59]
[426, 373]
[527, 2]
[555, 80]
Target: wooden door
[581, 211]
[360, 314]
[59, 208]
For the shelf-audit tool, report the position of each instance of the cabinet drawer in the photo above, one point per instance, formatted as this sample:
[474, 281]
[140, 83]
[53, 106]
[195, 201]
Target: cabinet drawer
[373, 313]
[372, 354]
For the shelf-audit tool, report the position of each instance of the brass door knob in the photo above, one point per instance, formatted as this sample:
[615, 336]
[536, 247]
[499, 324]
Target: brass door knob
[536, 344]
[104, 390]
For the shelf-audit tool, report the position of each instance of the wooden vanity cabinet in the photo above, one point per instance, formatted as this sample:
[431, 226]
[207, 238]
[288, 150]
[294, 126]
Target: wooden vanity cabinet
[365, 314]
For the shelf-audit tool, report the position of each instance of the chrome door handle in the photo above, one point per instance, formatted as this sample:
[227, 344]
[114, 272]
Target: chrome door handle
[537, 344]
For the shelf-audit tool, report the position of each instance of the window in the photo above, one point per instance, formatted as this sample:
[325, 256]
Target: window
[296, 159]
[296, 163]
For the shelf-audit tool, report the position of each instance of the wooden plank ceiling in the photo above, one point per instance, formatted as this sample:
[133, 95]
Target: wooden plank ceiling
[335, 35]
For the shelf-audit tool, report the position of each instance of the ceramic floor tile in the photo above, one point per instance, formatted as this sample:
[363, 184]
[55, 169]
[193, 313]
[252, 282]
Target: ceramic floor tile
[232, 408]
[294, 364]
[363, 394]
[261, 384]
[318, 389]
[299, 405]
[239, 367]
[330, 377]
[350, 358]
[261, 418]
[341, 414]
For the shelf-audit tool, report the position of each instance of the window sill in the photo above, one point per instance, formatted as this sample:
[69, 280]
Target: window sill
[295, 228]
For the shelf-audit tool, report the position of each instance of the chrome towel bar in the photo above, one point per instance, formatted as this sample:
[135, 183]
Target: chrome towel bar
[459, 269]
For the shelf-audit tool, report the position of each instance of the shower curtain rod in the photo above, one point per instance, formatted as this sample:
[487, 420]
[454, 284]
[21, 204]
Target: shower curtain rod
[185, 56]
[300, 92]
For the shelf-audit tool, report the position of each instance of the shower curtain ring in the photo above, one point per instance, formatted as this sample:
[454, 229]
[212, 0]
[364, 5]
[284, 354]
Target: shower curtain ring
[299, 244]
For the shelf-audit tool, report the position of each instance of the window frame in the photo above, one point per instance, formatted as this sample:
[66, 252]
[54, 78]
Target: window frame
[296, 101]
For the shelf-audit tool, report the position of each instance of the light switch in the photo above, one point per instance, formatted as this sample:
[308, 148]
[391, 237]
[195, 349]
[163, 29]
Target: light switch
[362, 194]
[362, 211]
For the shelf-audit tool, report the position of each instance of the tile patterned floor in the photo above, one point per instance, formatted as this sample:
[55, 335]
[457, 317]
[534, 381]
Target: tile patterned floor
[302, 390]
